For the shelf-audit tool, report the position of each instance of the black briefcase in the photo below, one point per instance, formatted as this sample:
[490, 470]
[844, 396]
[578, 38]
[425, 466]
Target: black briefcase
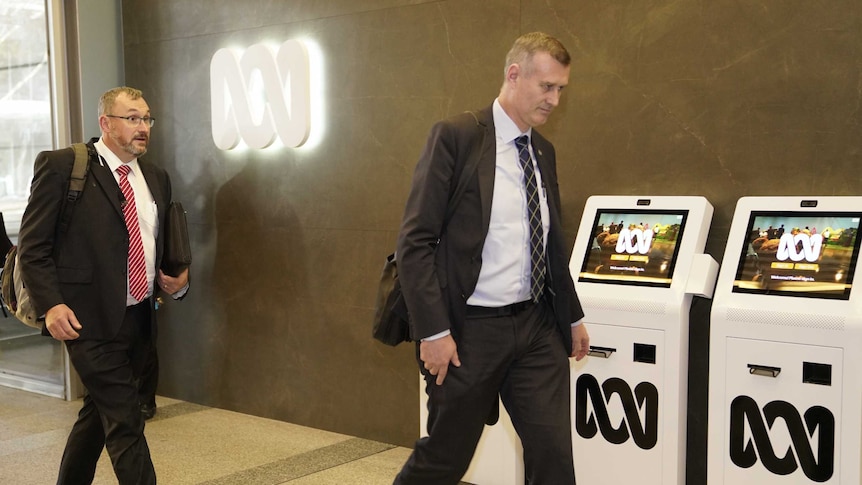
[178, 253]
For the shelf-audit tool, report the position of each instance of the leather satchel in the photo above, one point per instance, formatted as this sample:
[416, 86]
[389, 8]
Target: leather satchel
[391, 318]
[178, 253]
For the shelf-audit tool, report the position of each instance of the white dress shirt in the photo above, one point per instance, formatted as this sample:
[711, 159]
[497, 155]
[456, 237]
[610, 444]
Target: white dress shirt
[505, 274]
[148, 214]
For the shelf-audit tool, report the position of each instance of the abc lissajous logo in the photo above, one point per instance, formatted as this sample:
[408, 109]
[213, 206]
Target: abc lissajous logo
[812, 438]
[592, 415]
[262, 95]
[633, 241]
[788, 247]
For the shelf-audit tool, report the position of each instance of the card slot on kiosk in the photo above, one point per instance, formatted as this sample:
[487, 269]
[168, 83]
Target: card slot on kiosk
[637, 262]
[785, 391]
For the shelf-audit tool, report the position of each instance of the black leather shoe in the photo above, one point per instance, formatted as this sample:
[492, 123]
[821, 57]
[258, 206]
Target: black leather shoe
[148, 410]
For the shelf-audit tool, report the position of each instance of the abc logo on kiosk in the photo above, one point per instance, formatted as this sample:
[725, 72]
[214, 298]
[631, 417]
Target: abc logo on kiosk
[747, 447]
[788, 247]
[645, 396]
[261, 94]
[633, 241]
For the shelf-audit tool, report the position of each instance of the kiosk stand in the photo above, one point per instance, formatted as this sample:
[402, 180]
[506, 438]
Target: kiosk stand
[637, 262]
[785, 387]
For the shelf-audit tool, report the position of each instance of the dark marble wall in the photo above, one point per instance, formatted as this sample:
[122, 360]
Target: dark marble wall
[687, 97]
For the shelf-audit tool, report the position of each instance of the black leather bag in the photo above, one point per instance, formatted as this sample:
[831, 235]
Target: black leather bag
[178, 253]
[391, 323]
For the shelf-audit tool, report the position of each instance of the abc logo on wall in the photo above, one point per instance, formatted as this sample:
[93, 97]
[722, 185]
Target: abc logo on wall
[261, 95]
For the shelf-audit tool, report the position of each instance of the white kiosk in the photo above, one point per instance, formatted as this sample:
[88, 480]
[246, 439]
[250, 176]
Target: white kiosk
[785, 377]
[637, 262]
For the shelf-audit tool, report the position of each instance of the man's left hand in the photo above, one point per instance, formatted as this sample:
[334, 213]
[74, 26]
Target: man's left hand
[173, 284]
[580, 341]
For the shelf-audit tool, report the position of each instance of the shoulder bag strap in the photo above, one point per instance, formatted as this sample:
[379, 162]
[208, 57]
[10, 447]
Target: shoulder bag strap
[77, 181]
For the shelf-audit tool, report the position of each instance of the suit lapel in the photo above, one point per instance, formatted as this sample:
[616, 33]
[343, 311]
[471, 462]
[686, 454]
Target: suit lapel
[487, 166]
[106, 181]
[546, 170]
[155, 188]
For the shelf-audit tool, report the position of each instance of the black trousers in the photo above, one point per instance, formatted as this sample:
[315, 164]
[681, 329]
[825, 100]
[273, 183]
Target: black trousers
[111, 416]
[522, 359]
[149, 380]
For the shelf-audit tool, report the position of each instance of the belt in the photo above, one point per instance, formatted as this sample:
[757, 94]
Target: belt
[495, 312]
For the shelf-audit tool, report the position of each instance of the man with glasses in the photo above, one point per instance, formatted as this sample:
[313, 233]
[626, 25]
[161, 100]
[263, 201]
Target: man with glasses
[94, 282]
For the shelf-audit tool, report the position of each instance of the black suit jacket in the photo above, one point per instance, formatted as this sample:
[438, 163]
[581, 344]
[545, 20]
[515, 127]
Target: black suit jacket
[86, 267]
[437, 271]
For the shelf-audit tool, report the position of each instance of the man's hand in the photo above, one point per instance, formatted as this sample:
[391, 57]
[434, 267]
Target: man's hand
[580, 341]
[172, 284]
[437, 354]
[62, 323]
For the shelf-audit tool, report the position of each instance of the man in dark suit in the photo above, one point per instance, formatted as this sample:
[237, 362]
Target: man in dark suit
[95, 294]
[489, 318]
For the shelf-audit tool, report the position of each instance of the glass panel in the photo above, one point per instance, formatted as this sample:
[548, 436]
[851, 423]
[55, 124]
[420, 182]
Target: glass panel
[27, 360]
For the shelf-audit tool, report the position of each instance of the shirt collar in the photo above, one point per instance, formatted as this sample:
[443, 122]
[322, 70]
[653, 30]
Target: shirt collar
[506, 129]
[112, 159]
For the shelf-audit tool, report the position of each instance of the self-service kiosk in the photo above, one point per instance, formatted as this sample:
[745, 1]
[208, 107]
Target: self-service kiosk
[785, 376]
[636, 263]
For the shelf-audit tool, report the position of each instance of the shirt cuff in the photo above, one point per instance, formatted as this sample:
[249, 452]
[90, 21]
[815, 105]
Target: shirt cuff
[437, 336]
[577, 323]
[181, 293]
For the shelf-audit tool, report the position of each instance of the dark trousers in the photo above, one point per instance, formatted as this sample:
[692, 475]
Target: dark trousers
[149, 380]
[111, 417]
[522, 359]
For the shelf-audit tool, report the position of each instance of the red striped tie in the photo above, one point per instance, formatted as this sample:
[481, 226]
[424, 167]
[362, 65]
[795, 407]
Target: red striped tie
[137, 263]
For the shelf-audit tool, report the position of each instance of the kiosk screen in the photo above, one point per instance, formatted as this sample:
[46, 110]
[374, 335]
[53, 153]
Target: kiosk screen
[807, 254]
[633, 247]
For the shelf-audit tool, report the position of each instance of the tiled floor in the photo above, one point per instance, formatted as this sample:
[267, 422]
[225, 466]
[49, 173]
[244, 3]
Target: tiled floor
[192, 444]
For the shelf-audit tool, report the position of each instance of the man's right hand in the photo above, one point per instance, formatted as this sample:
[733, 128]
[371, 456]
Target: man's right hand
[437, 355]
[62, 323]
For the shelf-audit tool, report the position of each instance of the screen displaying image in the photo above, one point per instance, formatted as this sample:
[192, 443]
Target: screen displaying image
[807, 254]
[634, 247]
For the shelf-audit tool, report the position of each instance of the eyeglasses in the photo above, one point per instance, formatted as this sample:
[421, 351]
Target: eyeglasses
[134, 121]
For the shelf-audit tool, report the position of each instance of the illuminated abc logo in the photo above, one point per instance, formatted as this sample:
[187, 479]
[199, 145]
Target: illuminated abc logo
[744, 453]
[634, 241]
[645, 396]
[788, 244]
[261, 94]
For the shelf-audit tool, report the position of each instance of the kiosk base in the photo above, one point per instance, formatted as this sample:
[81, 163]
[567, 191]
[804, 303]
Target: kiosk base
[780, 396]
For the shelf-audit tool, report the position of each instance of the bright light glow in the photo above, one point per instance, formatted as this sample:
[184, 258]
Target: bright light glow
[317, 91]
[267, 97]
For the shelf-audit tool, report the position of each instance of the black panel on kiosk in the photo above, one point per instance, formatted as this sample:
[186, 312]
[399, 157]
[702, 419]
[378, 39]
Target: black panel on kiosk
[802, 254]
[634, 247]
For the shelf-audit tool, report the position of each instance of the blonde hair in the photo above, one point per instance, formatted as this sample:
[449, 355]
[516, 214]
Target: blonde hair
[527, 45]
[106, 101]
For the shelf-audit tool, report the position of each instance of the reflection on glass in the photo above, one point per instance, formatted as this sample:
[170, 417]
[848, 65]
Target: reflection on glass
[27, 360]
[634, 247]
[799, 254]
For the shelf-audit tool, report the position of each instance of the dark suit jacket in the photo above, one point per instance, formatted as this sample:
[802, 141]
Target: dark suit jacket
[86, 267]
[437, 278]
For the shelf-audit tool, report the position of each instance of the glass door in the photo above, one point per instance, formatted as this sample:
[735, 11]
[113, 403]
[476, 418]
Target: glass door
[27, 359]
